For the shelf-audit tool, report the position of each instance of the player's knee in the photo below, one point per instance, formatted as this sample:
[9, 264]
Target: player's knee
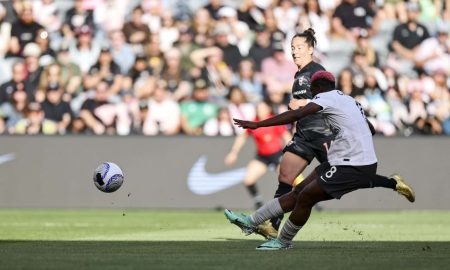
[304, 199]
[286, 177]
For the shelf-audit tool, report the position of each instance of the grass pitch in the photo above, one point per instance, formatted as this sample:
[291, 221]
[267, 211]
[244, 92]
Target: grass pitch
[141, 239]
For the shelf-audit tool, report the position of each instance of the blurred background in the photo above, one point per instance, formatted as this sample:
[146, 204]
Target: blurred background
[161, 80]
[122, 67]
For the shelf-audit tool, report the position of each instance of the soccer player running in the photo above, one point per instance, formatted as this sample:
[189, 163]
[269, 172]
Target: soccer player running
[269, 143]
[312, 135]
[351, 165]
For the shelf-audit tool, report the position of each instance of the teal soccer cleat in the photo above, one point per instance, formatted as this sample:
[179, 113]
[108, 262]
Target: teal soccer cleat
[242, 221]
[274, 244]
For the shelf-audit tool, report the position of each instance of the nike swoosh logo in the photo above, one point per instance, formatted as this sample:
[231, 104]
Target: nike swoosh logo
[203, 183]
[7, 157]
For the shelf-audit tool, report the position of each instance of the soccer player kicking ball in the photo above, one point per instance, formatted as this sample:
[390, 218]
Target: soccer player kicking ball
[351, 165]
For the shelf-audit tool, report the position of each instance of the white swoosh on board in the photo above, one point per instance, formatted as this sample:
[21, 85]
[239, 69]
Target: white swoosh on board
[7, 157]
[203, 183]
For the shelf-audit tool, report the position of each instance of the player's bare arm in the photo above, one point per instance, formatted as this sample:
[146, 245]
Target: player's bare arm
[281, 119]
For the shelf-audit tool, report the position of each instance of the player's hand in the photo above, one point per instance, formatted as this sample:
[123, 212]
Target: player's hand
[245, 124]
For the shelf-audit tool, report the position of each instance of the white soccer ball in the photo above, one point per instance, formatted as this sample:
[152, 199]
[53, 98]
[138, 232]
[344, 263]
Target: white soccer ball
[108, 177]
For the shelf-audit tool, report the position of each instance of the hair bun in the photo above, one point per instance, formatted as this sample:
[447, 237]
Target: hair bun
[310, 31]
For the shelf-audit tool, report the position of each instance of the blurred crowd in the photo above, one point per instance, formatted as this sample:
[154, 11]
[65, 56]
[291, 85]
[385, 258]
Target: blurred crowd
[167, 67]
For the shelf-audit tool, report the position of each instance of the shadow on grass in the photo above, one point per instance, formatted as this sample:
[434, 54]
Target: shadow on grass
[230, 254]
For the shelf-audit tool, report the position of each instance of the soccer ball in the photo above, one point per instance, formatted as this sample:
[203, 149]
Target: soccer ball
[108, 177]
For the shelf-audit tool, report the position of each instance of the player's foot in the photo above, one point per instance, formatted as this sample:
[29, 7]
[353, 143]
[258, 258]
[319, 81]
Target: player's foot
[241, 220]
[403, 188]
[267, 230]
[274, 244]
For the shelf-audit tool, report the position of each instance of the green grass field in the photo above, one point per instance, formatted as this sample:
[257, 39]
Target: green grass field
[144, 239]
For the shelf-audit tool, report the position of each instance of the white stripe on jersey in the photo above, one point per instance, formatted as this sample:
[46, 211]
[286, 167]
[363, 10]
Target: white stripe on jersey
[353, 144]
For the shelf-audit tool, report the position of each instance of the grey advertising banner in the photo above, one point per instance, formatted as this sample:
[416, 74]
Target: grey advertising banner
[189, 172]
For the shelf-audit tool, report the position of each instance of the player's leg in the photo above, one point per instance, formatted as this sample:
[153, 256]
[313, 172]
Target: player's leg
[394, 182]
[310, 195]
[291, 166]
[273, 208]
[255, 169]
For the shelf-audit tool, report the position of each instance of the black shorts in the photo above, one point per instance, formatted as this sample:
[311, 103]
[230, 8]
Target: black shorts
[308, 150]
[270, 160]
[339, 180]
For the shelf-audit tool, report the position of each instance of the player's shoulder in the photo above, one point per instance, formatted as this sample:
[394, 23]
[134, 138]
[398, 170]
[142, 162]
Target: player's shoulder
[315, 67]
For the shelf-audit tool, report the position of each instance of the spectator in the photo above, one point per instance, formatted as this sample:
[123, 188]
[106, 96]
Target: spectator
[186, 45]
[364, 47]
[105, 70]
[238, 31]
[84, 51]
[100, 115]
[352, 18]
[239, 107]
[152, 10]
[213, 71]
[121, 51]
[203, 26]
[136, 32]
[249, 81]
[70, 73]
[433, 54]
[17, 83]
[76, 17]
[140, 78]
[50, 78]
[196, 112]
[176, 78]
[57, 110]
[5, 32]
[222, 125]
[345, 83]
[154, 54]
[378, 109]
[213, 8]
[14, 110]
[262, 47]
[314, 17]
[406, 39]
[168, 30]
[277, 101]
[278, 72]
[48, 55]
[231, 54]
[286, 15]
[105, 10]
[35, 122]
[163, 116]
[23, 31]
[251, 14]
[32, 54]
[46, 14]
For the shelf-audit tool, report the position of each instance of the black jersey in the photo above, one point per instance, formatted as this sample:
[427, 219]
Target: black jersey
[313, 127]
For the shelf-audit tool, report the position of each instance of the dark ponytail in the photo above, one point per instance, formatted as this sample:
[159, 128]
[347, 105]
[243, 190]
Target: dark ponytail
[308, 34]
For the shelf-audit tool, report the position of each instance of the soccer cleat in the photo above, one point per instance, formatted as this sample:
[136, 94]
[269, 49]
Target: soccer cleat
[274, 244]
[267, 230]
[242, 221]
[403, 188]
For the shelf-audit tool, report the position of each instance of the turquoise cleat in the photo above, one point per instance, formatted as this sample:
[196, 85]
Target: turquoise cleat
[274, 244]
[242, 221]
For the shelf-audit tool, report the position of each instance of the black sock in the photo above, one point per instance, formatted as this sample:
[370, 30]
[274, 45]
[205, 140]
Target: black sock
[253, 190]
[282, 189]
[383, 181]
